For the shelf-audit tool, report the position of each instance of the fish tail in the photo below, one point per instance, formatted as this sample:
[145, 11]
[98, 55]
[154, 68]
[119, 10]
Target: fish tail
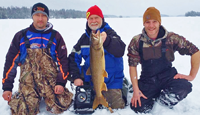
[101, 100]
[95, 103]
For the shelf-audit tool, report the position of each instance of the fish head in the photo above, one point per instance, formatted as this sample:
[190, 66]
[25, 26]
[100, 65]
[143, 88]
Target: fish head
[96, 40]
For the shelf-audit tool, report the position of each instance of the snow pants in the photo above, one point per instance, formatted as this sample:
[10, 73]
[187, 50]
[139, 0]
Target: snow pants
[114, 98]
[37, 80]
[164, 89]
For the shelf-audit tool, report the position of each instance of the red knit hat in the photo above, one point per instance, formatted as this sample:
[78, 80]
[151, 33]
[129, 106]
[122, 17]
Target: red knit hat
[94, 10]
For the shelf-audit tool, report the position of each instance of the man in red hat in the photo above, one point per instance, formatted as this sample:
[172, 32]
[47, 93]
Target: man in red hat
[154, 49]
[114, 49]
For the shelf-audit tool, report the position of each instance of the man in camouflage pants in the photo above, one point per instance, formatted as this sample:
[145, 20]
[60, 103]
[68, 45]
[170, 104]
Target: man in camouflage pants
[41, 54]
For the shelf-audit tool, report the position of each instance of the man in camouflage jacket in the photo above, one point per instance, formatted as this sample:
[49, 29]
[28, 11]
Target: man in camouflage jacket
[154, 49]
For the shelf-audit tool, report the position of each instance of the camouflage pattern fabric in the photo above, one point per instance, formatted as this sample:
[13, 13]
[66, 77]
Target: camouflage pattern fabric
[114, 98]
[37, 81]
[151, 48]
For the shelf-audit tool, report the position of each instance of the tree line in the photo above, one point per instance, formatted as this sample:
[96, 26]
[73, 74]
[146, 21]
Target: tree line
[25, 13]
[192, 13]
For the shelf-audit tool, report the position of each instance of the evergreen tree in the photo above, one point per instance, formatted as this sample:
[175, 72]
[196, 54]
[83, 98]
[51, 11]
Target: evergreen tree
[25, 13]
[192, 13]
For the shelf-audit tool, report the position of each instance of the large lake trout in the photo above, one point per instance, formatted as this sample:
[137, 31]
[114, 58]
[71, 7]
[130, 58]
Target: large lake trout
[97, 69]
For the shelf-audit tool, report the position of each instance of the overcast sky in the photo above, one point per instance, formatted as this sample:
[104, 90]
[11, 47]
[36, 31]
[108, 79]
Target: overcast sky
[115, 7]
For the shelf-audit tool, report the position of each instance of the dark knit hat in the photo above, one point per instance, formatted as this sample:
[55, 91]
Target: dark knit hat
[152, 13]
[40, 8]
[94, 10]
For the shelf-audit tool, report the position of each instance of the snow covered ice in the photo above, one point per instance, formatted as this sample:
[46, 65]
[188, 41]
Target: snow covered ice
[72, 29]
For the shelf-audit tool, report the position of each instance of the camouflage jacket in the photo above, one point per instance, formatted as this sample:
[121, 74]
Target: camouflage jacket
[152, 48]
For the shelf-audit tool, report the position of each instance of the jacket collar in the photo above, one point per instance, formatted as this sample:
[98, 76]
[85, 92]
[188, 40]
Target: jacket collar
[48, 28]
[162, 34]
[104, 27]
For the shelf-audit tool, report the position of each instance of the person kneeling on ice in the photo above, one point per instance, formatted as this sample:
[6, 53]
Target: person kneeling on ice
[155, 49]
[41, 54]
[114, 49]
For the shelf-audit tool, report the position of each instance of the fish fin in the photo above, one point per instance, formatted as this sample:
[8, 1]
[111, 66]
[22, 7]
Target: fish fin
[105, 74]
[110, 109]
[95, 103]
[99, 100]
[104, 87]
[88, 72]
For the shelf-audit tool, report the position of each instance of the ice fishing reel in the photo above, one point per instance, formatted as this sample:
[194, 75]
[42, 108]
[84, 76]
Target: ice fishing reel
[84, 98]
